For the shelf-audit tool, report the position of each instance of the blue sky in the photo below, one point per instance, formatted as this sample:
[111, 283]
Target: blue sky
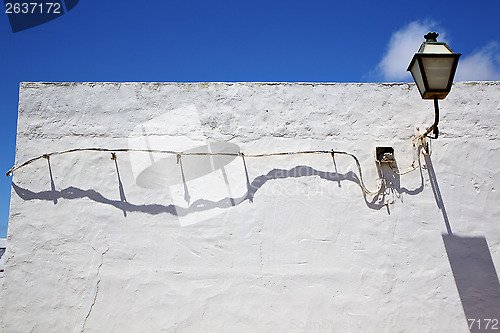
[186, 41]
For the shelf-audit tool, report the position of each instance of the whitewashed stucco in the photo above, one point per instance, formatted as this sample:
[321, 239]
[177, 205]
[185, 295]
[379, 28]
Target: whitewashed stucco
[3, 244]
[260, 244]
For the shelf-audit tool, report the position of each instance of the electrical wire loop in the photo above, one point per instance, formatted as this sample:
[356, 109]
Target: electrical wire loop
[178, 155]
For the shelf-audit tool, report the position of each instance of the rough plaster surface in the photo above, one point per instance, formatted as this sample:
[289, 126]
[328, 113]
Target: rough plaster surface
[3, 244]
[272, 244]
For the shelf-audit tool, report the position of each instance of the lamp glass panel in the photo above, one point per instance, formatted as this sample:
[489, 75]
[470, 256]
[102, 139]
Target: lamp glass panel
[417, 76]
[433, 48]
[437, 71]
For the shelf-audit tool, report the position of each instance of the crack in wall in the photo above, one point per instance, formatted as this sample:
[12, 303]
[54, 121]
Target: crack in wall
[97, 284]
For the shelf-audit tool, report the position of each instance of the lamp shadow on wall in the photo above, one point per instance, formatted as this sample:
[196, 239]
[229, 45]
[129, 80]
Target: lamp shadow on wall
[473, 270]
[252, 187]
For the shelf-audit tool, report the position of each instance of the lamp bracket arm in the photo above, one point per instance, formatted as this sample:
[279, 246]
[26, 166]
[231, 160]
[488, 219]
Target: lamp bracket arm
[434, 127]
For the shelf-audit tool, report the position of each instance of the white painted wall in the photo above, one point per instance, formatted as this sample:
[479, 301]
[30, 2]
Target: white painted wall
[3, 244]
[89, 250]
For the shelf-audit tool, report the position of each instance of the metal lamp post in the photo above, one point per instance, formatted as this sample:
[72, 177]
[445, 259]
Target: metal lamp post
[433, 68]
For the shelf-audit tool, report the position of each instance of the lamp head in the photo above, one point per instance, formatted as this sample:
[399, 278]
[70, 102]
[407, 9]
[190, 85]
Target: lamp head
[433, 67]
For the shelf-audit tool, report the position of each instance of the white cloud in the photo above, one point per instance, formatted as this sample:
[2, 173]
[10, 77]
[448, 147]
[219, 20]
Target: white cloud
[403, 45]
[482, 65]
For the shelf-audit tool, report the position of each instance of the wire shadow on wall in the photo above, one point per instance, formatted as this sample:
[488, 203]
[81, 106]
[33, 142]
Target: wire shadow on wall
[377, 201]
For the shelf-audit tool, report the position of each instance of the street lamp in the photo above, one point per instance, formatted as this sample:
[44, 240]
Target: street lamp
[433, 68]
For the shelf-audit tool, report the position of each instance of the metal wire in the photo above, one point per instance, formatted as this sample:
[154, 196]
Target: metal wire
[413, 168]
[171, 152]
[361, 181]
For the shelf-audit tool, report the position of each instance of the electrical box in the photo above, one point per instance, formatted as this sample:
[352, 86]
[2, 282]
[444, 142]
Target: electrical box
[385, 155]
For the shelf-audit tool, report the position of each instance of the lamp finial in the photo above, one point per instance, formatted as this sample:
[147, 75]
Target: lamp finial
[431, 37]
